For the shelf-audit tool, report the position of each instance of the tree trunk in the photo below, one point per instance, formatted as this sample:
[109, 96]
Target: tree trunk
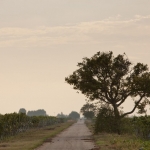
[117, 120]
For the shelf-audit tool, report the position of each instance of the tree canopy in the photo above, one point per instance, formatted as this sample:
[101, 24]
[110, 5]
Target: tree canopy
[61, 115]
[88, 110]
[74, 115]
[112, 80]
[22, 110]
[39, 112]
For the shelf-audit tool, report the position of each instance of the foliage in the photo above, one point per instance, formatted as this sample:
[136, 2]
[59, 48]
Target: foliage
[136, 135]
[112, 80]
[142, 126]
[22, 110]
[74, 115]
[33, 138]
[88, 110]
[121, 142]
[61, 115]
[11, 124]
[39, 112]
[105, 121]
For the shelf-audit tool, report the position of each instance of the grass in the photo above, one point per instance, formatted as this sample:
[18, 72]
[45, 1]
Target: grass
[112, 141]
[33, 138]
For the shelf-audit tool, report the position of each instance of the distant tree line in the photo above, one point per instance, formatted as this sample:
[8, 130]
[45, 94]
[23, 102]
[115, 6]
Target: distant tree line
[73, 115]
[61, 115]
[39, 112]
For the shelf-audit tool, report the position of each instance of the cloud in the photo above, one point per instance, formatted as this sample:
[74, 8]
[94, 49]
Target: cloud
[110, 30]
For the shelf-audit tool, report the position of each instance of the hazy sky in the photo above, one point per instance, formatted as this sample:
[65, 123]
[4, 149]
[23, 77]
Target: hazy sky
[41, 42]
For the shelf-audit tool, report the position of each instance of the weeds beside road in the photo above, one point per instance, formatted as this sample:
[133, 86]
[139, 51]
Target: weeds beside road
[33, 138]
[106, 141]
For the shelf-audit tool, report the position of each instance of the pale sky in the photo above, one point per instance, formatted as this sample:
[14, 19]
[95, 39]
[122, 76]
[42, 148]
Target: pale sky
[41, 42]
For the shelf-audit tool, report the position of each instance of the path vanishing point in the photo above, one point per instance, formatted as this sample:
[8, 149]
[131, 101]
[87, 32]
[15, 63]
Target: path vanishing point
[76, 137]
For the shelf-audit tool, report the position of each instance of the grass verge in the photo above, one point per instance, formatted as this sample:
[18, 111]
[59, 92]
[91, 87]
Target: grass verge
[105, 141]
[33, 138]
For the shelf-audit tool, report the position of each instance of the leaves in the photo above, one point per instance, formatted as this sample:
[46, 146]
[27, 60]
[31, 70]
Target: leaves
[111, 80]
[11, 124]
[88, 110]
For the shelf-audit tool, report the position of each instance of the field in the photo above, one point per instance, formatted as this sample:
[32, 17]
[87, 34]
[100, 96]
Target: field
[33, 138]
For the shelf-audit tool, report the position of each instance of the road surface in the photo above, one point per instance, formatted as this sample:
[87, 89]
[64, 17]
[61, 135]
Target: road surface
[76, 137]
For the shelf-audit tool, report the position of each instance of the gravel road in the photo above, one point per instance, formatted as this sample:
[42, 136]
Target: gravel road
[76, 137]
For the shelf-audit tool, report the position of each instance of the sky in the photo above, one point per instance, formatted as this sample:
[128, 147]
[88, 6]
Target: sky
[41, 42]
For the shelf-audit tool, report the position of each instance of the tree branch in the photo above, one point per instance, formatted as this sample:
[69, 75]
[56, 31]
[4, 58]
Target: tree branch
[136, 104]
[123, 99]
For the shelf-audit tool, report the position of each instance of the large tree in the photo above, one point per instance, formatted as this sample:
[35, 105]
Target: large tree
[112, 80]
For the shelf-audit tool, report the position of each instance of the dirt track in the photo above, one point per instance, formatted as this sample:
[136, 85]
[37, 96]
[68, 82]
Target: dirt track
[76, 137]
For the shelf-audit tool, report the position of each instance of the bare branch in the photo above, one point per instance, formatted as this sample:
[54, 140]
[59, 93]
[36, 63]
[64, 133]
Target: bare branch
[123, 99]
[136, 104]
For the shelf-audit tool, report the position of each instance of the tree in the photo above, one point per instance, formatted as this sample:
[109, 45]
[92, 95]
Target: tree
[39, 112]
[112, 80]
[61, 115]
[22, 110]
[74, 115]
[88, 110]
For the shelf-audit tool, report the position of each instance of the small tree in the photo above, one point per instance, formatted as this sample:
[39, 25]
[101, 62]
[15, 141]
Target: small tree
[61, 115]
[105, 120]
[88, 110]
[112, 80]
[74, 115]
[22, 110]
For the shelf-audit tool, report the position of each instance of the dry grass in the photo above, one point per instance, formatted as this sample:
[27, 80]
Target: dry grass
[33, 138]
[107, 141]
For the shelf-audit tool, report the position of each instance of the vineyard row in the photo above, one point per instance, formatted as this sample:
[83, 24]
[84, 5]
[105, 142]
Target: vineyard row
[11, 124]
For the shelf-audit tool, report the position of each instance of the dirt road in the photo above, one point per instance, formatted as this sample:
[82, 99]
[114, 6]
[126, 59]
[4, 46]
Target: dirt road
[76, 137]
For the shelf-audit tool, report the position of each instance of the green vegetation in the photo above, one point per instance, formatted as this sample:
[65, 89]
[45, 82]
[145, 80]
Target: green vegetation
[39, 112]
[135, 135]
[33, 138]
[61, 115]
[22, 110]
[12, 124]
[112, 80]
[135, 131]
[107, 141]
[138, 126]
[74, 115]
[141, 126]
[88, 110]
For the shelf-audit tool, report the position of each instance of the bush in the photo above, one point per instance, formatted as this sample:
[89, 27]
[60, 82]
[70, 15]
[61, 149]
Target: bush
[142, 126]
[106, 122]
